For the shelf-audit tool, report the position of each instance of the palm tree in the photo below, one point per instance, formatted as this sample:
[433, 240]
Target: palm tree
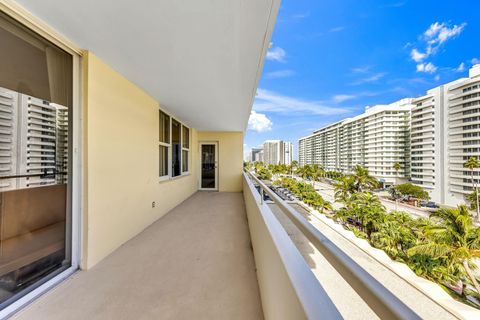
[472, 200]
[294, 166]
[473, 163]
[369, 210]
[344, 188]
[316, 172]
[363, 180]
[258, 166]
[248, 166]
[301, 172]
[321, 204]
[454, 237]
[397, 166]
[306, 172]
[395, 239]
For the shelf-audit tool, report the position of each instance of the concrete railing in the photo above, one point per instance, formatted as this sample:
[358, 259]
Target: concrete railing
[385, 304]
[288, 288]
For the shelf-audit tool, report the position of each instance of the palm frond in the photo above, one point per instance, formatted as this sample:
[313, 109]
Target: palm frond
[434, 250]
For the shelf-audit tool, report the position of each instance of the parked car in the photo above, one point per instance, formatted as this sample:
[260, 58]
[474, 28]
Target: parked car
[429, 204]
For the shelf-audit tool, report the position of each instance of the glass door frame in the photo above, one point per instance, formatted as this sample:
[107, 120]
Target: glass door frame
[75, 194]
[215, 144]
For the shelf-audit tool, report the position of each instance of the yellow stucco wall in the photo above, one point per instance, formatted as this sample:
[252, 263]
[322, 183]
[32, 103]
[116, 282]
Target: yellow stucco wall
[230, 158]
[121, 163]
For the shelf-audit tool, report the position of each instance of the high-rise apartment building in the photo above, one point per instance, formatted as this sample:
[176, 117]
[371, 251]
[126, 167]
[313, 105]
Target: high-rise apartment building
[277, 152]
[376, 139]
[430, 136]
[256, 154]
[33, 141]
[445, 133]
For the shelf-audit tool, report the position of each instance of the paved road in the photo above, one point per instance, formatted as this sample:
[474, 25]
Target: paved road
[327, 192]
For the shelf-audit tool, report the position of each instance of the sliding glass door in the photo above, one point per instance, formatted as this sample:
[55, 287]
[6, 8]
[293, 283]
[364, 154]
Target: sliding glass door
[36, 85]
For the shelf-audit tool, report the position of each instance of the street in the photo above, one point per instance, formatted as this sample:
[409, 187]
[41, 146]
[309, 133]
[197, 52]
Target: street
[327, 192]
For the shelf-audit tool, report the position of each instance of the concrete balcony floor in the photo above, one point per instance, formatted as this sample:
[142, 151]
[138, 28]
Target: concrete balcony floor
[194, 263]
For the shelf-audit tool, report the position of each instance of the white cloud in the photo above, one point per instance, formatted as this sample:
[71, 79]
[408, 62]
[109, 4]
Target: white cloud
[426, 67]
[475, 61]
[417, 56]
[438, 33]
[279, 74]
[343, 97]
[268, 101]
[433, 38]
[460, 68]
[301, 15]
[259, 122]
[394, 5]
[364, 69]
[437, 77]
[337, 29]
[276, 54]
[373, 78]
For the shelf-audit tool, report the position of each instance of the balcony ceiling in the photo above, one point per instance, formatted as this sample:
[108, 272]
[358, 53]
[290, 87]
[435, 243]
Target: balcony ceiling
[201, 60]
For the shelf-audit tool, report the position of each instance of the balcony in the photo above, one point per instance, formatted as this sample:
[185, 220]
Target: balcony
[195, 262]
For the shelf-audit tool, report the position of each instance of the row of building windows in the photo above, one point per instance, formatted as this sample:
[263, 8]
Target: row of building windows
[470, 88]
[174, 147]
[470, 119]
[467, 143]
[469, 96]
[471, 111]
[469, 104]
[471, 134]
[471, 126]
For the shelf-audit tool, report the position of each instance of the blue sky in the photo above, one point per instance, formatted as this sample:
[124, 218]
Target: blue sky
[329, 59]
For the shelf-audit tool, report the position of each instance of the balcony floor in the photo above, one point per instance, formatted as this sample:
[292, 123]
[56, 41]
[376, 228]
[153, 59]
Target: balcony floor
[194, 263]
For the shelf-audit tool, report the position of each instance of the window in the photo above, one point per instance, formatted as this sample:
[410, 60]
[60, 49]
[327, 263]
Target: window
[164, 144]
[185, 148]
[174, 147]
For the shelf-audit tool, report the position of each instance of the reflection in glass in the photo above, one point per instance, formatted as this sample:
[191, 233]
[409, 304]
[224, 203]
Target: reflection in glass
[35, 104]
[163, 161]
[164, 130]
[186, 137]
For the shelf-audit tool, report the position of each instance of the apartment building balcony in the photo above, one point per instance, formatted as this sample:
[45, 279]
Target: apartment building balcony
[195, 262]
[463, 94]
[458, 106]
[464, 116]
[424, 130]
[421, 112]
[456, 147]
[460, 124]
[145, 132]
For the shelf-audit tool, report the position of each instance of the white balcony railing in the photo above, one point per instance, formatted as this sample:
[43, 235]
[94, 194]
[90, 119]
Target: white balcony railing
[268, 236]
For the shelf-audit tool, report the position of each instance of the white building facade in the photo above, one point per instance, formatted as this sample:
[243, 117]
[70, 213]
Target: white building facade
[376, 139]
[430, 136]
[256, 155]
[445, 134]
[277, 152]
